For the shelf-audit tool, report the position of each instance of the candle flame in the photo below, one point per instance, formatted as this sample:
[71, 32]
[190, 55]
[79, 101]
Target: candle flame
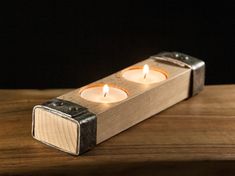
[145, 70]
[105, 90]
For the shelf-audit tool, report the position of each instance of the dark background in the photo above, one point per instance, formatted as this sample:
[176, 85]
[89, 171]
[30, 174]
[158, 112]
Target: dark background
[52, 44]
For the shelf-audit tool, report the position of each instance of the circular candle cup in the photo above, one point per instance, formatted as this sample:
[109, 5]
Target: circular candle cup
[135, 74]
[95, 93]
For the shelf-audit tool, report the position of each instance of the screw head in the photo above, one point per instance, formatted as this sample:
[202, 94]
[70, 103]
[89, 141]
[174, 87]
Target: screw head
[57, 103]
[73, 108]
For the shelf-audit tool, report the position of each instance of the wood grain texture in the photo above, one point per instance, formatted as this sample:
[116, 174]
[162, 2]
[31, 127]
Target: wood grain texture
[194, 137]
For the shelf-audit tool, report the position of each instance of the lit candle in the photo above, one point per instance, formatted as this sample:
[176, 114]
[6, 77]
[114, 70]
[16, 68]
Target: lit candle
[103, 93]
[144, 75]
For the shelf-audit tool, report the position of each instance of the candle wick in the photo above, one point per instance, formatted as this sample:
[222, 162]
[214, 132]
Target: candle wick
[145, 75]
[105, 90]
[145, 70]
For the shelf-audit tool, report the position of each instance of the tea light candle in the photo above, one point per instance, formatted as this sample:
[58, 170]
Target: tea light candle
[103, 94]
[144, 75]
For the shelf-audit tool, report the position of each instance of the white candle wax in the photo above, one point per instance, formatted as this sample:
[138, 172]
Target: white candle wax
[97, 94]
[140, 75]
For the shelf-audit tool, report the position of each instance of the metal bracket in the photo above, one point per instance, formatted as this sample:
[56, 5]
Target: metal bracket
[86, 120]
[183, 60]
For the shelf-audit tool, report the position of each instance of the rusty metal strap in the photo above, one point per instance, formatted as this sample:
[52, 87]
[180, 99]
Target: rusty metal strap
[197, 67]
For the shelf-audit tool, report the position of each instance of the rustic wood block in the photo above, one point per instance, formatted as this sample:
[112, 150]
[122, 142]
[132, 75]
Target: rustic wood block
[56, 125]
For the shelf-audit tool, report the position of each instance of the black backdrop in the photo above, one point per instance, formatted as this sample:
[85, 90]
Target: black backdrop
[69, 44]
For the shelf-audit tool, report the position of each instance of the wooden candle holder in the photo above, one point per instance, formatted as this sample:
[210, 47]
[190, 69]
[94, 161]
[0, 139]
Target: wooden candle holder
[75, 125]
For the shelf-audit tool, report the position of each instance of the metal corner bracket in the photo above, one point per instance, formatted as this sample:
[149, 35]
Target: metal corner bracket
[85, 119]
[197, 67]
